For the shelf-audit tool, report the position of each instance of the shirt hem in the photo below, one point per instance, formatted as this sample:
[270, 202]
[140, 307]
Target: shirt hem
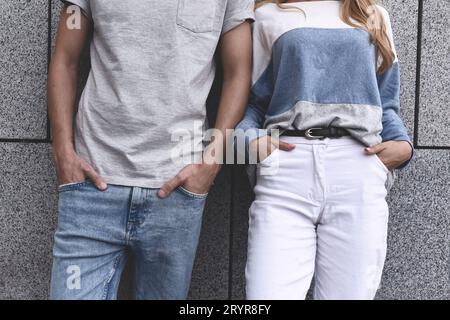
[139, 182]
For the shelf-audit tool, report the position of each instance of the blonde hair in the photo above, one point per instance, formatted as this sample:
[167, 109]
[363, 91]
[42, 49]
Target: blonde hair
[362, 14]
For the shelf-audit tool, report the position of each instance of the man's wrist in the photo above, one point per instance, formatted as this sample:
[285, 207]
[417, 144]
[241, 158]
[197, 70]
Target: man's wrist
[214, 153]
[61, 150]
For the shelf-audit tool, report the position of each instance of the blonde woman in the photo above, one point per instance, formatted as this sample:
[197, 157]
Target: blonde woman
[326, 75]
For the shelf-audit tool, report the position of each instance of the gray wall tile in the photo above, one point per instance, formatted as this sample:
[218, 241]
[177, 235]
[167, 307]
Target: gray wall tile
[417, 265]
[210, 275]
[242, 199]
[27, 220]
[23, 64]
[403, 16]
[434, 115]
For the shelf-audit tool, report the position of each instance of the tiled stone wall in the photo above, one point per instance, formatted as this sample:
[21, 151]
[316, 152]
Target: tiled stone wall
[418, 256]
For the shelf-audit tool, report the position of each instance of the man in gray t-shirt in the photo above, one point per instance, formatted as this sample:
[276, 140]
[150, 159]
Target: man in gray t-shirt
[131, 169]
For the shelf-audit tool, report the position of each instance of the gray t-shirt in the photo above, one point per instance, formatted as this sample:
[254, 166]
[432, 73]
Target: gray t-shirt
[142, 113]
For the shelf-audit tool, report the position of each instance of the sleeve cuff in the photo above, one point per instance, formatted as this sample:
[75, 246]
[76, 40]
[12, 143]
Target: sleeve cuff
[406, 163]
[83, 4]
[237, 19]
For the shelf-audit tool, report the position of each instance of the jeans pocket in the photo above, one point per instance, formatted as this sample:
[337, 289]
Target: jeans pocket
[197, 15]
[377, 158]
[72, 186]
[270, 166]
[270, 158]
[191, 194]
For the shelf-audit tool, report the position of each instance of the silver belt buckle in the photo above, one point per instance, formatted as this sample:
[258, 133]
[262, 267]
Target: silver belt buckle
[309, 134]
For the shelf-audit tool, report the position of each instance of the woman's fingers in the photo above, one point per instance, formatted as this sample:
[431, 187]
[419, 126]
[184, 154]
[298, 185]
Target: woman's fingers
[376, 149]
[264, 146]
[286, 146]
[282, 145]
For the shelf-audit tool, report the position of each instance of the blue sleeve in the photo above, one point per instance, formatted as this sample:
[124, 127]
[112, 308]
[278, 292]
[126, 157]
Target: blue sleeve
[252, 125]
[393, 127]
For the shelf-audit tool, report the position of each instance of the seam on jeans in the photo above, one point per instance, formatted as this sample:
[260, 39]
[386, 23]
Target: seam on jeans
[322, 210]
[128, 222]
[107, 286]
[324, 187]
[323, 205]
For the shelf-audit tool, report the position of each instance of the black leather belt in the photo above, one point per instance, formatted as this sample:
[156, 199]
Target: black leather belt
[317, 133]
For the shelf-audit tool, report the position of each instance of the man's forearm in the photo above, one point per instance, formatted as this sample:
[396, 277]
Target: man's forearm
[61, 97]
[232, 107]
[62, 80]
[236, 50]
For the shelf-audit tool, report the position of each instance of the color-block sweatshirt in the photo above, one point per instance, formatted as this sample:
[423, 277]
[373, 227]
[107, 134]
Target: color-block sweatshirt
[314, 70]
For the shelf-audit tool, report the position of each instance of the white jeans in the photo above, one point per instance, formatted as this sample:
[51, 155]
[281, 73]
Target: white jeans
[320, 210]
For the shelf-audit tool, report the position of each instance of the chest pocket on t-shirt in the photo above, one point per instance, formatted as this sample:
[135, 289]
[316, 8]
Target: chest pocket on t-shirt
[197, 15]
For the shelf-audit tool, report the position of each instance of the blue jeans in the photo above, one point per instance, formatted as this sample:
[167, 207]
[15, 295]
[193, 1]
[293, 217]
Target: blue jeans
[97, 228]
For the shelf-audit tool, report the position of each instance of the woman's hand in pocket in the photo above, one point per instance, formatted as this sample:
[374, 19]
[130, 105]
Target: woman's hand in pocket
[260, 149]
[392, 153]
